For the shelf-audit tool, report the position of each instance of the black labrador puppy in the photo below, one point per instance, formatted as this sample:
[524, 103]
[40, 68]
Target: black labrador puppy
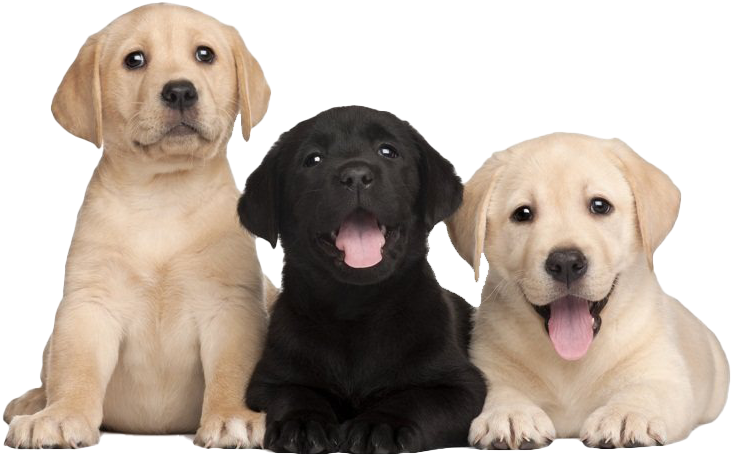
[365, 351]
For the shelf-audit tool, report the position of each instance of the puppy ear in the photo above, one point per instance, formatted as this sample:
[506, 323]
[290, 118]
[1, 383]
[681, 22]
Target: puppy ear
[440, 188]
[467, 228]
[258, 205]
[253, 88]
[77, 105]
[657, 199]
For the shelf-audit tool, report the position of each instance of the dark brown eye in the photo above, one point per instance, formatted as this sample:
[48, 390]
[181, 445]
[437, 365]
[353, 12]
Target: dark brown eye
[205, 54]
[135, 60]
[600, 206]
[387, 151]
[312, 160]
[522, 214]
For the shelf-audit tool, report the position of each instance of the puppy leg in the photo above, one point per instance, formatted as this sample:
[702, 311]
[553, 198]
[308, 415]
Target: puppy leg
[231, 341]
[415, 419]
[82, 356]
[509, 420]
[299, 419]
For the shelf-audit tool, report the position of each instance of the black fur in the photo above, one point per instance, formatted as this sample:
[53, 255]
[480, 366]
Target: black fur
[360, 360]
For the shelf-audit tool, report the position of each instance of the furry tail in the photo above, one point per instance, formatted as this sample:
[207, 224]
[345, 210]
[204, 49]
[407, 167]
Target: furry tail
[31, 402]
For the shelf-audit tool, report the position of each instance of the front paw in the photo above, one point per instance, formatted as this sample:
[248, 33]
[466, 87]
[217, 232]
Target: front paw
[621, 426]
[51, 428]
[301, 434]
[512, 427]
[379, 434]
[240, 429]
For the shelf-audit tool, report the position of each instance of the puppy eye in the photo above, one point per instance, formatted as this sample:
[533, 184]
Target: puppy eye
[205, 54]
[135, 60]
[313, 159]
[387, 151]
[522, 214]
[600, 206]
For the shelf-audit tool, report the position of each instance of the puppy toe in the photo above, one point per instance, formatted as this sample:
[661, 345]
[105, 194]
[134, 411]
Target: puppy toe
[355, 438]
[291, 436]
[382, 440]
[316, 438]
[407, 440]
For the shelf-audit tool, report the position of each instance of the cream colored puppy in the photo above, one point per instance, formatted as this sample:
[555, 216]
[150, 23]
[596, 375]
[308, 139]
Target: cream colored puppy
[574, 334]
[163, 315]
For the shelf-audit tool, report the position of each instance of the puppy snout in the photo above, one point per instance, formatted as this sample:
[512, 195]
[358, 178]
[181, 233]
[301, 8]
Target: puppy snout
[179, 95]
[566, 266]
[357, 177]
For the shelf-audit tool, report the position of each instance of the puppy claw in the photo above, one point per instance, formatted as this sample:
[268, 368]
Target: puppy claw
[606, 444]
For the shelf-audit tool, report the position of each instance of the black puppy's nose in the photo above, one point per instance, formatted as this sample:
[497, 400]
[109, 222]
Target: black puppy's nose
[179, 94]
[566, 266]
[356, 177]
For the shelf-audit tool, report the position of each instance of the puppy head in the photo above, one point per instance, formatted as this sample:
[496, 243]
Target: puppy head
[353, 193]
[162, 82]
[560, 218]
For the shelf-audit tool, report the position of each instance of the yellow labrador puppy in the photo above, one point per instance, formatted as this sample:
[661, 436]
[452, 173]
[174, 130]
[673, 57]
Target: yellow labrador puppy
[163, 315]
[574, 334]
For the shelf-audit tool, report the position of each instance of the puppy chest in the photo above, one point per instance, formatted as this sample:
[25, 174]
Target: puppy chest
[161, 340]
[161, 331]
[356, 361]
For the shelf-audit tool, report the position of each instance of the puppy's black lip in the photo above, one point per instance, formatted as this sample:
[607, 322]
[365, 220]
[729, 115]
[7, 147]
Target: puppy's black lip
[327, 242]
[595, 309]
[169, 133]
[183, 129]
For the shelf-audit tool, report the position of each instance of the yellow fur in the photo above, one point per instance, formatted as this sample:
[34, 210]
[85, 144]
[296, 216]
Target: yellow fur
[163, 314]
[654, 371]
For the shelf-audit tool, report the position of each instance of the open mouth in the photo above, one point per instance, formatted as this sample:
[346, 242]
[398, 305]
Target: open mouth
[572, 323]
[359, 241]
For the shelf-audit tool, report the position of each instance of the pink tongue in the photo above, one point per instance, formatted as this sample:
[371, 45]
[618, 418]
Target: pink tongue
[361, 239]
[571, 327]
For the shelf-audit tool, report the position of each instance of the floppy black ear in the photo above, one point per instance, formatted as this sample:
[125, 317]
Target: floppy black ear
[441, 188]
[258, 206]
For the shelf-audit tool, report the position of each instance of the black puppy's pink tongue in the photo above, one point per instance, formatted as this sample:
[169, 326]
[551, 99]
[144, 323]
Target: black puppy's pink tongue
[361, 239]
[571, 327]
